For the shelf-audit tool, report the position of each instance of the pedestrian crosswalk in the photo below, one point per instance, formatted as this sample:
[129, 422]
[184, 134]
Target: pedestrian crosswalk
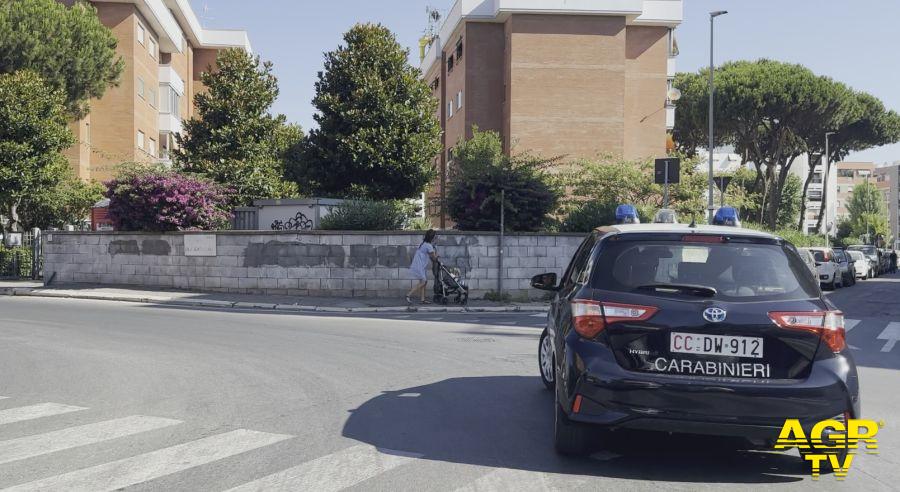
[35, 411]
[333, 472]
[336, 471]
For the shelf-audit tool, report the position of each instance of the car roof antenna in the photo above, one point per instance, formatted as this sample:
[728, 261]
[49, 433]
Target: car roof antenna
[693, 224]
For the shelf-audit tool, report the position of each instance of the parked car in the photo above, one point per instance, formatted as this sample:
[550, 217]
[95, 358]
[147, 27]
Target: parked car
[863, 266]
[807, 257]
[848, 270]
[829, 271]
[871, 253]
[693, 330]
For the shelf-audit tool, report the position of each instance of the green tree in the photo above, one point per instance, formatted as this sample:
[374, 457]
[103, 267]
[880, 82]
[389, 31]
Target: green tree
[482, 175]
[67, 203]
[234, 140]
[68, 46]
[867, 211]
[33, 131]
[774, 112]
[595, 186]
[377, 134]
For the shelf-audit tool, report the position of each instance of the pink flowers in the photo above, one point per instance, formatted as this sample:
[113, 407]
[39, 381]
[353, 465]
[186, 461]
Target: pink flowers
[163, 200]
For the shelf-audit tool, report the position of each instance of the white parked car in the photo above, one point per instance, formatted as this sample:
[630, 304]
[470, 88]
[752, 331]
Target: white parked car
[862, 264]
[829, 272]
[808, 259]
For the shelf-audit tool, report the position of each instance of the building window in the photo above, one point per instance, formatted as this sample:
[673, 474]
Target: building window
[817, 178]
[450, 154]
[436, 84]
[140, 87]
[151, 47]
[140, 33]
[450, 110]
[845, 173]
[152, 149]
[459, 49]
[459, 100]
[151, 97]
[450, 64]
[140, 140]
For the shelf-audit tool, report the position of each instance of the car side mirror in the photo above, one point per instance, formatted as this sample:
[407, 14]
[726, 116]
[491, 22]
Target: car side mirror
[544, 281]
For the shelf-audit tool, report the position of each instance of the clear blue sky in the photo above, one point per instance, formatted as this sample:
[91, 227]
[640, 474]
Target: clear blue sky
[855, 41]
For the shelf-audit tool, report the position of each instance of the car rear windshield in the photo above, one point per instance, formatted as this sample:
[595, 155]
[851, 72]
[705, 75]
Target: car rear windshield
[856, 255]
[732, 271]
[819, 255]
[869, 250]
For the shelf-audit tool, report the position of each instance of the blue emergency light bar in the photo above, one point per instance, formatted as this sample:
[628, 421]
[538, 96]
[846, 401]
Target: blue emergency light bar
[727, 216]
[627, 214]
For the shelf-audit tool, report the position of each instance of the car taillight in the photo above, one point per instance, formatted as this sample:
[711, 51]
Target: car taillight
[592, 317]
[828, 325]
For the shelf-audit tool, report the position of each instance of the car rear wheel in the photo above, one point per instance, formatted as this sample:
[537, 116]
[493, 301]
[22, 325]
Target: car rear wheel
[546, 362]
[569, 438]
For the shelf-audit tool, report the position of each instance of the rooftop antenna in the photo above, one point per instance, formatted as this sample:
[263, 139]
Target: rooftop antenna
[206, 10]
[431, 32]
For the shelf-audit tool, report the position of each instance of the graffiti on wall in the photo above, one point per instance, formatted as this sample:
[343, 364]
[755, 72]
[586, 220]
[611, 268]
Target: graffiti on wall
[298, 222]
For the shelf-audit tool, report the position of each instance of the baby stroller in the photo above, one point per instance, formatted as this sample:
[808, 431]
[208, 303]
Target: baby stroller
[449, 284]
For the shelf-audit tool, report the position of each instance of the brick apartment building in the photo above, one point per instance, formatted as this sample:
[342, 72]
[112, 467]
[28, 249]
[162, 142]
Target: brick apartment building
[888, 181]
[165, 50]
[570, 78]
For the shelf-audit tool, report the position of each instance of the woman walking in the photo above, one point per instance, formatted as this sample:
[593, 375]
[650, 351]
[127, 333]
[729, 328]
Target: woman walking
[418, 267]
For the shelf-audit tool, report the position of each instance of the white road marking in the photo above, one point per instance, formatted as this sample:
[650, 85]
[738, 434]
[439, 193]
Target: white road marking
[19, 414]
[82, 435]
[336, 471]
[850, 324]
[148, 466]
[509, 479]
[891, 333]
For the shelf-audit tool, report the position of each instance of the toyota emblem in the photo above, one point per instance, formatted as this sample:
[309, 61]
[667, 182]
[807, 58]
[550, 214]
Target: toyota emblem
[714, 314]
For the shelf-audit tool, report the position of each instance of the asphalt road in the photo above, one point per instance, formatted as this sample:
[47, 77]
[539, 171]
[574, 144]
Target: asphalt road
[105, 395]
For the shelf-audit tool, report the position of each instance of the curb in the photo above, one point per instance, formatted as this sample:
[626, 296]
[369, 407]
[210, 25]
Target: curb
[211, 303]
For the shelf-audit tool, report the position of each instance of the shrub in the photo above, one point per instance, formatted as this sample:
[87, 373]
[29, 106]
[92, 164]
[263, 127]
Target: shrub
[419, 224]
[162, 200]
[474, 197]
[10, 257]
[589, 215]
[364, 215]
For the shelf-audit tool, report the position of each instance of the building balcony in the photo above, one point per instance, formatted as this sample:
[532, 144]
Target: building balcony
[168, 76]
[169, 123]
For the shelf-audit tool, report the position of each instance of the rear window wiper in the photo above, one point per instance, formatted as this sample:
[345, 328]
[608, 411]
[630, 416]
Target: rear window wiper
[694, 290]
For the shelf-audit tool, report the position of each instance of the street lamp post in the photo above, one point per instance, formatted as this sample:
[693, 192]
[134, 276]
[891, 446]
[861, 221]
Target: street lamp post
[712, 141]
[825, 186]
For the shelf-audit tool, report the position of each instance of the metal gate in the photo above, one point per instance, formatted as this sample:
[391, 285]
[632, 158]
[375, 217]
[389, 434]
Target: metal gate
[21, 256]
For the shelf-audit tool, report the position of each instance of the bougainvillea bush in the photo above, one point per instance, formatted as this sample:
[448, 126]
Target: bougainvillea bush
[165, 200]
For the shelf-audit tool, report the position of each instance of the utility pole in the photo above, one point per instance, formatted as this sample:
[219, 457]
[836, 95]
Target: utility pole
[712, 141]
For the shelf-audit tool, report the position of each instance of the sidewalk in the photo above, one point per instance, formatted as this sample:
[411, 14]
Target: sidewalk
[244, 301]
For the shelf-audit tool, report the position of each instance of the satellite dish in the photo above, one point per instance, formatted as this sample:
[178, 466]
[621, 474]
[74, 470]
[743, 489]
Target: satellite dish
[673, 94]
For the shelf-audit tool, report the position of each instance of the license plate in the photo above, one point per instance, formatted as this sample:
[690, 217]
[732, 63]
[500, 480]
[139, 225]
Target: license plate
[724, 345]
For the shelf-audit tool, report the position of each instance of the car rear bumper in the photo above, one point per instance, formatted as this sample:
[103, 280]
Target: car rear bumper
[616, 398]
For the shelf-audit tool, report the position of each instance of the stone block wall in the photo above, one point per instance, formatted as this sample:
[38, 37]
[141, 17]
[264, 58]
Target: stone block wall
[313, 263]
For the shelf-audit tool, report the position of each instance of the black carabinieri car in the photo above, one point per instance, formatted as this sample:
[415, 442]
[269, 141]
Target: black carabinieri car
[697, 330]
